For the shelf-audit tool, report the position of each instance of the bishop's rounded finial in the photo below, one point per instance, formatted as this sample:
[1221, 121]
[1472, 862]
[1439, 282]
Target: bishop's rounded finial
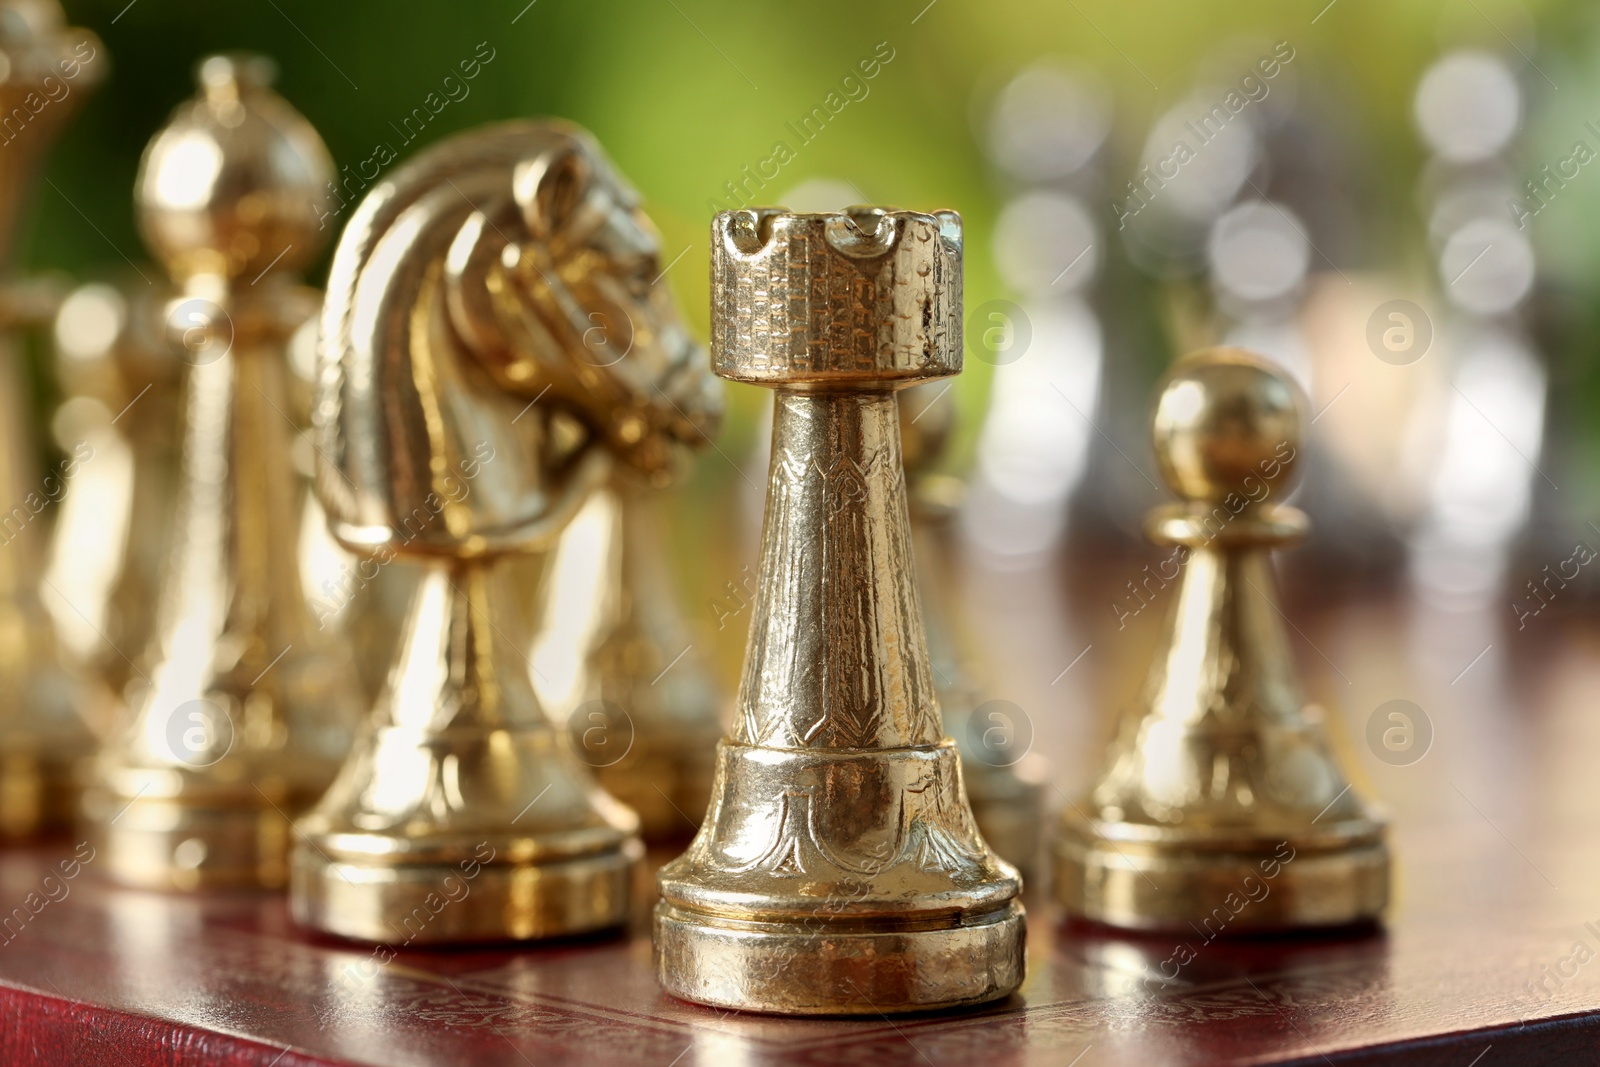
[230, 185]
[1223, 415]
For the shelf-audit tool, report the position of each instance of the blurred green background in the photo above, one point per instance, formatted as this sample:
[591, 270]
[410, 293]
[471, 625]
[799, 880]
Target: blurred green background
[684, 93]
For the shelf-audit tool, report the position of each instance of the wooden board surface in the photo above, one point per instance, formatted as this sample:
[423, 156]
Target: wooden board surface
[1491, 955]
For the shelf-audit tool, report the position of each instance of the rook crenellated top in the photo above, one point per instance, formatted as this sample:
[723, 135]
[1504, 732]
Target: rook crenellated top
[853, 298]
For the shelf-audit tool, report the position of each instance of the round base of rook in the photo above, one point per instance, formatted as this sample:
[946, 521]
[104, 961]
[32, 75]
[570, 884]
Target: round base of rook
[837, 967]
[368, 899]
[1248, 888]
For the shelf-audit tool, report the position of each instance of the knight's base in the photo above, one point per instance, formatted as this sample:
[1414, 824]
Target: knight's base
[172, 845]
[1281, 885]
[467, 901]
[831, 967]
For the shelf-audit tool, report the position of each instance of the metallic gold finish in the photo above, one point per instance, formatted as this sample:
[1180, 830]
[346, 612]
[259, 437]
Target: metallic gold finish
[114, 529]
[1221, 805]
[242, 709]
[642, 710]
[1007, 804]
[839, 870]
[491, 340]
[43, 737]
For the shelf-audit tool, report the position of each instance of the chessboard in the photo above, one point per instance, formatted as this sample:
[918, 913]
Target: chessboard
[1482, 961]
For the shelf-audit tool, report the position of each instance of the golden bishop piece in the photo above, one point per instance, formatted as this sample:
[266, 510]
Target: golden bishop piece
[838, 870]
[241, 710]
[492, 346]
[1221, 806]
[46, 69]
[1003, 778]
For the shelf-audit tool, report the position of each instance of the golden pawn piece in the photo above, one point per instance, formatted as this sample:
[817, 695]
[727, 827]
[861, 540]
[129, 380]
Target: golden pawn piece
[838, 870]
[642, 710]
[491, 343]
[1222, 807]
[46, 69]
[241, 710]
[1003, 778]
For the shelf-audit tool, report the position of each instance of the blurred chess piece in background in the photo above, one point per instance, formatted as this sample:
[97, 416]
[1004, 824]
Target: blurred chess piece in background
[351, 598]
[242, 709]
[1246, 209]
[1004, 778]
[124, 400]
[47, 69]
[616, 662]
[1478, 494]
[1038, 446]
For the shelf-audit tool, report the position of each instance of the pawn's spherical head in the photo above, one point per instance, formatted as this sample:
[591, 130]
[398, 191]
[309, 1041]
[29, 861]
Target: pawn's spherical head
[1227, 421]
[237, 181]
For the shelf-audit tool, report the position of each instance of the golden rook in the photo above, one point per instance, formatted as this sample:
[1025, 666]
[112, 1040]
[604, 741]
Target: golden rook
[838, 869]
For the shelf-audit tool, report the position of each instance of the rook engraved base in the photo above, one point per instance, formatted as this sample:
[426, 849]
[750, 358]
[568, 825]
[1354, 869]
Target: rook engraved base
[836, 971]
[839, 882]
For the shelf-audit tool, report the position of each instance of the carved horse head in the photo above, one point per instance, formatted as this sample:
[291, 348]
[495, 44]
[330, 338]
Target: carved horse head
[495, 328]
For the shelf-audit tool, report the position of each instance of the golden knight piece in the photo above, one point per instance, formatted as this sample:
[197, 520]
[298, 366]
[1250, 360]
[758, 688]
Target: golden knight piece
[839, 869]
[1221, 807]
[493, 346]
[45, 70]
[241, 710]
[1003, 777]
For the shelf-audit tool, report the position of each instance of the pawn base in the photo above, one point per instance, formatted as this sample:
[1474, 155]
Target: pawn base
[838, 968]
[465, 901]
[1281, 885]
